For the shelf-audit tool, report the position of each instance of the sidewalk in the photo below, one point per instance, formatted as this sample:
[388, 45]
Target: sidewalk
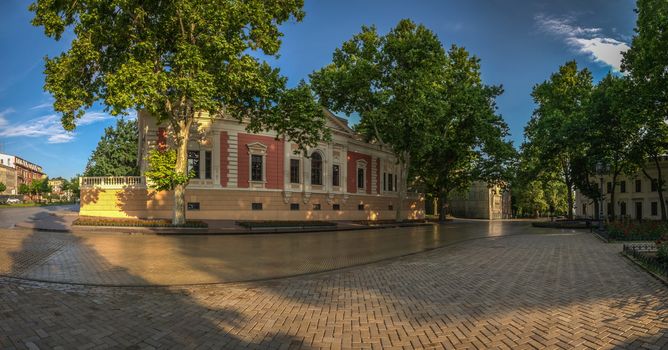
[62, 221]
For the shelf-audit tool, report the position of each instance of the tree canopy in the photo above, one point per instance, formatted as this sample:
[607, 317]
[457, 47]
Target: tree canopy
[116, 152]
[178, 60]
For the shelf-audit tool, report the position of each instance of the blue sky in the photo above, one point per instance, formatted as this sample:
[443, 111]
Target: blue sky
[520, 43]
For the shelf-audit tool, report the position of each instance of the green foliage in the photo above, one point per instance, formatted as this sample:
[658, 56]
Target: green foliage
[72, 185]
[662, 251]
[554, 135]
[161, 171]
[177, 60]
[24, 189]
[116, 153]
[633, 231]
[3, 187]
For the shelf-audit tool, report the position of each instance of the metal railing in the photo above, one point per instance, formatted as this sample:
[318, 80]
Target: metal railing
[646, 253]
[111, 181]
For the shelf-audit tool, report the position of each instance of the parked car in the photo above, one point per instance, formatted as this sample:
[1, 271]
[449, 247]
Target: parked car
[13, 201]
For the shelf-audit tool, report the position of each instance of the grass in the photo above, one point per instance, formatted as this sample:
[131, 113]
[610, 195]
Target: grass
[278, 223]
[131, 222]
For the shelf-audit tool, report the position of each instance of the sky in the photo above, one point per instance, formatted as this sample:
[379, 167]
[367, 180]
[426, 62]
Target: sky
[519, 43]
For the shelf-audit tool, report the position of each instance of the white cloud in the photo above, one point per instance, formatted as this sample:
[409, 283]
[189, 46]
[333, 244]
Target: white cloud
[49, 127]
[585, 40]
[3, 114]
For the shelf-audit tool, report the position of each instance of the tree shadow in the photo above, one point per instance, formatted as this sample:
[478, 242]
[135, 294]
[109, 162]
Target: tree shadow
[46, 315]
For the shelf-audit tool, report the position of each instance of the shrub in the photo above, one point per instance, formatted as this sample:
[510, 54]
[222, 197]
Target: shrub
[633, 231]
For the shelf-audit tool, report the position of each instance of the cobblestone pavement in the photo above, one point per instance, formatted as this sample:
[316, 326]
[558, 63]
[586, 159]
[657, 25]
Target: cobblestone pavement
[560, 291]
[121, 260]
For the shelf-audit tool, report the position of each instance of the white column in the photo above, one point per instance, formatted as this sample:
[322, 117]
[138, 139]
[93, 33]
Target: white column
[215, 161]
[232, 159]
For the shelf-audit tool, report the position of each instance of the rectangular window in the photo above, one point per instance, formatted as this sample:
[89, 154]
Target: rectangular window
[622, 187]
[609, 208]
[207, 164]
[389, 180]
[336, 175]
[360, 178]
[655, 208]
[654, 185]
[193, 163]
[638, 186]
[609, 187]
[384, 181]
[336, 206]
[317, 206]
[256, 206]
[256, 167]
[193, 205]
[294, 171]
[584, 209]
[390, 207]
[396, 178]
[622, 208]
[294, 206]
[360, 207]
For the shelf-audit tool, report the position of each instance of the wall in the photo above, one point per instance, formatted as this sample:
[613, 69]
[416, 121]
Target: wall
[274, 160]
[223, 204]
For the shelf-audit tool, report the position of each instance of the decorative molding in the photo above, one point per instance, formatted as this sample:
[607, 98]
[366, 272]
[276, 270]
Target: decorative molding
[345, 198]
[330, 198]
[307, 197]
[286, 196]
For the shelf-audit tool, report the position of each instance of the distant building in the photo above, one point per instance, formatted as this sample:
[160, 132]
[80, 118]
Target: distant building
[25, 170]
[8, 178]
[481, 202]
[636, 197]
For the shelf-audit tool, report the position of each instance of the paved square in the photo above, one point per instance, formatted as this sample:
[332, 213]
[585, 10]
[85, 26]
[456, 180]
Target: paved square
[559, 291]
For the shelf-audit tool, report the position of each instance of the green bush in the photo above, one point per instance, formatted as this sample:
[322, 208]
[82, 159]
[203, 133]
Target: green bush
[130, 222]
[662, 251]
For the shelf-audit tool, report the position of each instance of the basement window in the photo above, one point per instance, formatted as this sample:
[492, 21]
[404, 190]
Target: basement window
[256, 206]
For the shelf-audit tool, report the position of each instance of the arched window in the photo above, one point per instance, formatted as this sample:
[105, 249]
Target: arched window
[316, 168]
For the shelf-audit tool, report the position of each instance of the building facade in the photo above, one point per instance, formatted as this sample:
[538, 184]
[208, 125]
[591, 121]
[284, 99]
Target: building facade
[8, 178]
[244, 176]
[23, 171]
[482, 201]
[636, 196]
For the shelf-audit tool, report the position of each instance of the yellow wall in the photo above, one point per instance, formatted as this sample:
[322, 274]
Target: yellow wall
[236, 205]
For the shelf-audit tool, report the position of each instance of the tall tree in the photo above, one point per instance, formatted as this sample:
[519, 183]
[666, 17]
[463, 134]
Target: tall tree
[465, 138]
[116, 152]
[554, 132]
[178, 60]
[647, 63]
[389, 81]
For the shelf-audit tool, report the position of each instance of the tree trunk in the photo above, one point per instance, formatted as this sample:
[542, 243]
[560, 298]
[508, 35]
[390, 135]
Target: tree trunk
[179, 214]
[442, 205]
[659, 189]
[612, 197]
[402, 186]
[570, 201]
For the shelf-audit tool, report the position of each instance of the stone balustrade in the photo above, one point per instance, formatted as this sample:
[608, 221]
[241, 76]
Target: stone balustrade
[111, 182]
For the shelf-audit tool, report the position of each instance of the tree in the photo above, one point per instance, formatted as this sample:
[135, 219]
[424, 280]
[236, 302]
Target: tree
[71, 187]
[389, 81]
[3, 187]
[465, 138]
[161, 170]
[177, 60]
[646, 62]
[554, 134]
[39, 187]
[24, 189]
[116, 153]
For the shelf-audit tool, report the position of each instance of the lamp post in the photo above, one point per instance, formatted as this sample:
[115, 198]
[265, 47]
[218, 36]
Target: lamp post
[600, 209]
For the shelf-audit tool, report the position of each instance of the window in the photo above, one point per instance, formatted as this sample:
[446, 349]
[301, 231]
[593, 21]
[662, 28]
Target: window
[360, 207]
[655, 208]
[390, 207]
[207, 164]
[336, 206]
[256, 167]
[622, 208]
[389, 180]
[193, 206]
[294, 172]
[609, 206]
[638, 186]
[193, 163]
[294, 206]
[256, 206]
[360, 178]
[609, 187]
[317, 206]
[335, 175]
[622, 187]
[384, 181]
[584, 208]
[316, 168]
[655, 184]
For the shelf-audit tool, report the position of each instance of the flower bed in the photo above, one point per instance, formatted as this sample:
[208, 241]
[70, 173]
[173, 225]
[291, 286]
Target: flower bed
[279, 224]
[634, 231]
[390, 222]
[131, 222]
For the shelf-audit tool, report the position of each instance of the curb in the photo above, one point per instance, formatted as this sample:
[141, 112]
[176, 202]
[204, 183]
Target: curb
[662, 279]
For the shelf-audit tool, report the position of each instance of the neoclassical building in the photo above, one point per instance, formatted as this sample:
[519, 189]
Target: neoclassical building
[482, 201]
[244, 176]
[636, 196]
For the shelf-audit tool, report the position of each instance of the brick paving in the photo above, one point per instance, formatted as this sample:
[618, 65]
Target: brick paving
[556, 291]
